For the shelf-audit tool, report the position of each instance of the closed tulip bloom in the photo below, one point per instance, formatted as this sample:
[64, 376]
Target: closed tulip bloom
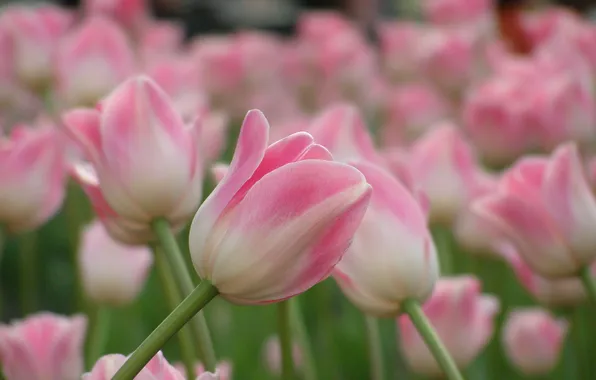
[147, 163]
[32, 177]
[112, 274]
[43, 347]
[279, 220]
[392, 257]
[463, 319]
[546, 208]
[223, 371]
[132, 14]
[157, 368]
[533, 340]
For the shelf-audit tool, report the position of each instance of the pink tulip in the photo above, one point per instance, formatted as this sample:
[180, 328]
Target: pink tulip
[314, 26]
[32, 177]
[392, 257]
[131, 14]
[533, 340]
[147, 162]
[279, 220]
[112, 274]
[158, 368]
[463, 319]
[43, 347]
[92, 61]
[159, 39]
[222, 372]
[400, 49]
[546, 208]
[457, 12]
[272, 355]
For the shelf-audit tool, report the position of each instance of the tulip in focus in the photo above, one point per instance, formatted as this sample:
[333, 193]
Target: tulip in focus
[43, 347]
[32, 177]
[463, 319]
[157, 368]
[533, 340]
[272, 355]
[279, 220]
[392, 257]
[112, 274]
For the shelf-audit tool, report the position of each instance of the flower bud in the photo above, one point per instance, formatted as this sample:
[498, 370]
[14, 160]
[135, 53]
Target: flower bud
[157, 368]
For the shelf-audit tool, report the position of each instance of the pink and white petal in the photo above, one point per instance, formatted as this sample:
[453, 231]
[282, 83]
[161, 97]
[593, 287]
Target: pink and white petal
[316, 152]
[83, 125]
[219, 171]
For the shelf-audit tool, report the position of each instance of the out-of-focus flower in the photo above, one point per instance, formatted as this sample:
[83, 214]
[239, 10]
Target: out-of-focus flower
[454, 12]
[131, 14]
[32, 177]
[159, 39]
[112, 274]
[400, 46]
[43, 347]
[463, 319]
[223, 371]
[533, 340]
[92, 61]
[157, 368]
[147, 163]
[392, 257]
[547, 210]
[279, 220]
[272, 355]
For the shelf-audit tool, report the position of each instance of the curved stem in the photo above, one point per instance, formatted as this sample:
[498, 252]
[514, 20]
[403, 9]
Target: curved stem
[432, 340]
[98, 336]
[301, 335]
[173, 298]
[589, 284]
[191, 305]
[285, 340]
[375, 348]
[198, 325]
[28, 272]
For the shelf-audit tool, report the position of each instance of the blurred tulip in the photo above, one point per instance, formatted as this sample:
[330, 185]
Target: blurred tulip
[158, 368]
[43, 347]
[159, 39]
[32, 177]
[112, 274]
[463, 319]
[400, 46]
[131, 14]
[92, 61]
[392, 257]
[533, 340]
[457, 12]
[546, 208]
[223, 371]
[147, 163]
[253, 240]
[272, 355]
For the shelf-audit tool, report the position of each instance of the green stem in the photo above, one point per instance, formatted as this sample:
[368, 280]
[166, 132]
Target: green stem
[301, 334]
[589, 284]
[184, 281]
[191, 305]
[375, 348]
[173, 298]
[442, 239]
[28, 276]
[73, 222]
[99, 334]
[432, 340]
[285, 340]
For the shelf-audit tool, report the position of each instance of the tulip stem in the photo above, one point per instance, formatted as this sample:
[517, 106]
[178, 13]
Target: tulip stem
[98, 336]
[301, 334]
[432, 340]
[285, 340]
[191, 305]
[28, 276]
[170, 248]
[375, 348]
[588, 282]
[173, 298]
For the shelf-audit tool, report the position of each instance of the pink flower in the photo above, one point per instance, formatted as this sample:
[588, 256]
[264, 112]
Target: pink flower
[43, 347]
[400, 49]
[392, 257]
[279, 220]
[160, 39]
[222, 372]
[533, 340]
[147, 162]
[32, 177]
[112, 274]
[272, 355]
[92, 61]
[547, 210]
[456, 12]
[462, 317]
[131, 14]
[158, 368]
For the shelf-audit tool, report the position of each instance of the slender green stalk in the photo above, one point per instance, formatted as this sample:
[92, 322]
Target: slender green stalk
[73, 222]
[308, 361]
[98, 336]
[173, 298]
[375, 348]
[28, 272]
[442, 239]
[325, 330]
[285, 340]
[589, 284]
[191, 305]
[432, 340]
[184, 281]
[2, 237]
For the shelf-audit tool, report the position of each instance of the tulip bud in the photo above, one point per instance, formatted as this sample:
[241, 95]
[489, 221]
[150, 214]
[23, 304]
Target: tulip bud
[113, 274]
[43, 347]
[157, 368]
[32, 177]
[223, 371]
[279, 220]
[533, 340]
[400, 49]
[392, 257]
[272, 355]
[463, 319]
[132, 14]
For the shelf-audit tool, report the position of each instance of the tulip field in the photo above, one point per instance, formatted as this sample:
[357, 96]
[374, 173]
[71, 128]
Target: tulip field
[322, 205]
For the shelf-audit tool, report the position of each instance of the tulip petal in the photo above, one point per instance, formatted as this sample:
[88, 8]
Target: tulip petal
[83, 125]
